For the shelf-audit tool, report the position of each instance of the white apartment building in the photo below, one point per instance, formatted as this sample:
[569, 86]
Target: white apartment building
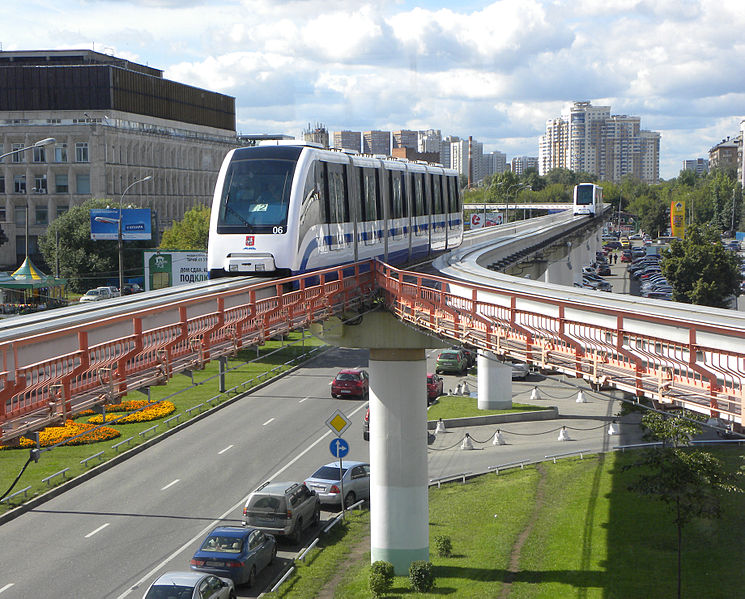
[589, 139]
[466, 157]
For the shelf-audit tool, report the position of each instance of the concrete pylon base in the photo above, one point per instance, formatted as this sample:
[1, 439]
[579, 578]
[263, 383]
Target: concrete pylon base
[494, 383]
[399, 499]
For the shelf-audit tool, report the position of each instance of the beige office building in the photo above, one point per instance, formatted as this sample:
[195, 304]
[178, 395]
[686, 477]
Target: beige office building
[114, 122]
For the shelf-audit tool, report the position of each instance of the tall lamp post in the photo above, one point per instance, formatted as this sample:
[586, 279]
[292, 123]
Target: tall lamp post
[118, 222]
[519, 186]
[37, 144]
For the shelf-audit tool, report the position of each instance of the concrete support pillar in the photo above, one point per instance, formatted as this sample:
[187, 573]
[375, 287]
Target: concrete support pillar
[399, 516]
[494, 382]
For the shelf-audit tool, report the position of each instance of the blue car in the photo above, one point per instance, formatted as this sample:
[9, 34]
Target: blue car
[235, 552]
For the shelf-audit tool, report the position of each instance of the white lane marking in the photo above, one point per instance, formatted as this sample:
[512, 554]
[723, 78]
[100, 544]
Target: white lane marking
[304, 398]
[268, 421]
[170, 484]
[7, 586]
[227, 512]
[224, 450]
[99, 529]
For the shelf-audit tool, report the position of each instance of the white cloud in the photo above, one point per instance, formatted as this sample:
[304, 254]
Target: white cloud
[495, 70]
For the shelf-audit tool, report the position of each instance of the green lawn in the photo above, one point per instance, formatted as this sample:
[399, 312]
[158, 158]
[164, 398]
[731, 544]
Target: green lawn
[456, 406]
[576, 530]
[180, 390]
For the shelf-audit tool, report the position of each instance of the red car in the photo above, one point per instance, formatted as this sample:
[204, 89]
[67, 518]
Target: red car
[434, 387]
[350, 382]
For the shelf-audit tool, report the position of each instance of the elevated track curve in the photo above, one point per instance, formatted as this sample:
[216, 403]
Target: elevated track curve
[59, 363]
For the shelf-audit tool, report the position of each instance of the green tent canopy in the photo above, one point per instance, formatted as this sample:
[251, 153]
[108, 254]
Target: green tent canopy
[29, 286]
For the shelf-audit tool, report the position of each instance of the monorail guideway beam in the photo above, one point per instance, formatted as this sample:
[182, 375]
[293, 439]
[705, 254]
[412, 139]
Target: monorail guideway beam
[399, 508]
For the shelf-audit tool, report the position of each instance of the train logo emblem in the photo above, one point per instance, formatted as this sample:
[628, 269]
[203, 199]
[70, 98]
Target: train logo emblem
[249, 240]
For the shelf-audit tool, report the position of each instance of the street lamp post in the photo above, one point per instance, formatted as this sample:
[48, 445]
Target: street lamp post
[119, 231]
[507, 195]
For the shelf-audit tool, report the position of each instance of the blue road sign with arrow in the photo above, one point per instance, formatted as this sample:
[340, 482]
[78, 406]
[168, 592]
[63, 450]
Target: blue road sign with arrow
[339, 448]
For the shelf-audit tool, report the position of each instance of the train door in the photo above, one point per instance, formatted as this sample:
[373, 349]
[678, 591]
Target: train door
[385, 195]
[355, 207]
[408, 216]
[372, 211]
[429, 211]
[338, 201]
[442, 184]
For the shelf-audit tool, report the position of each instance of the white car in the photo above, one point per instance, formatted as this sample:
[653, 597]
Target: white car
[191, 585]
[326, 483]
[520, 370]
[94, 295]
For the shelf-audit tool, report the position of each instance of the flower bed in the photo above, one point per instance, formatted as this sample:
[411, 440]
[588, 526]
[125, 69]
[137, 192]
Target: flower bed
[151, 412]
[56, 434]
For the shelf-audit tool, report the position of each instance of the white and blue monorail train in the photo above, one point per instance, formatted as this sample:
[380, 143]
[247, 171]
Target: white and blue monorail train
[588, 198]
[285, 208]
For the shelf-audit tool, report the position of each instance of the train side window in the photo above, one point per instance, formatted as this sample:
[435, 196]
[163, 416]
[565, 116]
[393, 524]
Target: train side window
[369, 195]
[322, 186]
[436, 195]
[418, 195]
[338, 202]
[447, 207]
[405, 200]
[454, 193]
[396, 200]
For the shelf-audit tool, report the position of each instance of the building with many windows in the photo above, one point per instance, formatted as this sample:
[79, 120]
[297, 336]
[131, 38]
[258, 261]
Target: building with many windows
[724, 154]
[700, 166]
[348, 140]
[376, 142]
[406, 138]
[590, 139]
[520, 164]
[114, 122]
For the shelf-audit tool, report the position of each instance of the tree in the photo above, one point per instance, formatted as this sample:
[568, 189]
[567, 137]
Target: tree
[83, 262]
[191, 233]
[700, 270]
[690, 481]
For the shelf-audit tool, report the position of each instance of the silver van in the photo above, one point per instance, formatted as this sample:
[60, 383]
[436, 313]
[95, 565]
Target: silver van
[283, 509]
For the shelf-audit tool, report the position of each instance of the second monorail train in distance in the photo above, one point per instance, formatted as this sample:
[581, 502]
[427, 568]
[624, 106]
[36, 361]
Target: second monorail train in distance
[588, 198]
[289, 207]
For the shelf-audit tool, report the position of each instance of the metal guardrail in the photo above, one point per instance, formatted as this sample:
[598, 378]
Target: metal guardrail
[581, 453]
[98, 455]
[116, 447]
[49, 478]
[509, 465]
[144, 433]
[23, 491]
[444, 479]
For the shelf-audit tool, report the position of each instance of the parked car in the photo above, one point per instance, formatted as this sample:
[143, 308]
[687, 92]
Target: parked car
[451, 360]
[113, 291]
[190, 585]
[235, 552]
[350, 382]
[434, 387]
[603, 269]
[130, 288]
[520, 370]
[282, 509]
[327, 484]
[366, 425]
[468, 353]
[94, 295]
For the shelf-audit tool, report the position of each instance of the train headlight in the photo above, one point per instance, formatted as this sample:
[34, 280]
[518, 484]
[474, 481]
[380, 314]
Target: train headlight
[259, 267]
[233, 268]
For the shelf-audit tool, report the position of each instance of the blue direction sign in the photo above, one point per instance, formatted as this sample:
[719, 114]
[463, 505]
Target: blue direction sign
[339, 448]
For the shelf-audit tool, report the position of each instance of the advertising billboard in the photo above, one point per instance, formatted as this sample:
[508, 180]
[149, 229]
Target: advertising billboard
[135, 224]
[678, 219]
[168, 268]
[492, 218]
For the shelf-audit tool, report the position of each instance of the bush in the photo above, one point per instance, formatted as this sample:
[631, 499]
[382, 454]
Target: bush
[444, 546]
[421, 576]
[381, 577]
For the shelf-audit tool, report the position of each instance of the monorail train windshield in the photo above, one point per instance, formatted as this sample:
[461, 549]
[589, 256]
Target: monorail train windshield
[585, 195]
[256, 196]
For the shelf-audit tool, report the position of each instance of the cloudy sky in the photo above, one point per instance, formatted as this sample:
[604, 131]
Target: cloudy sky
[493, 70]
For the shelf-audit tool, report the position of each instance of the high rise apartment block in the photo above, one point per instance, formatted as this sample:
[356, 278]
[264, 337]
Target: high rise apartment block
[430, 141]
[348, 140]
[590, 139]
[406, 139]
[520, 164]
[494, 163]
[114, 122]
[376, 142]
[700, 166]
[466, 157]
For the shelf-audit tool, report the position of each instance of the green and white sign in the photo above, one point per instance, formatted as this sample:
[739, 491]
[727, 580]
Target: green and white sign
[169, 268]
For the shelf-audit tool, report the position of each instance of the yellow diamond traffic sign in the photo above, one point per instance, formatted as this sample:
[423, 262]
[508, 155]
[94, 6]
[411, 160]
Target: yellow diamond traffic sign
[338, 423]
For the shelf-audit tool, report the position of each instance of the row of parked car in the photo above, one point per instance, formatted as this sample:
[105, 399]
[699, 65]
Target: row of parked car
[108, 291]
[647, 270]
[231, 556]
[593, 273]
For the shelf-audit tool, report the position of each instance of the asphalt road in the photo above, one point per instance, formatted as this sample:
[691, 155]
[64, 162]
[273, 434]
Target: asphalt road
[114, 534]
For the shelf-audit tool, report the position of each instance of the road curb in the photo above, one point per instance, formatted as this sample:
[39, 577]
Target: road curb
[549, 413]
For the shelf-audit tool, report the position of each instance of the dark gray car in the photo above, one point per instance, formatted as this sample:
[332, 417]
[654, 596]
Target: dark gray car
[282, 509]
